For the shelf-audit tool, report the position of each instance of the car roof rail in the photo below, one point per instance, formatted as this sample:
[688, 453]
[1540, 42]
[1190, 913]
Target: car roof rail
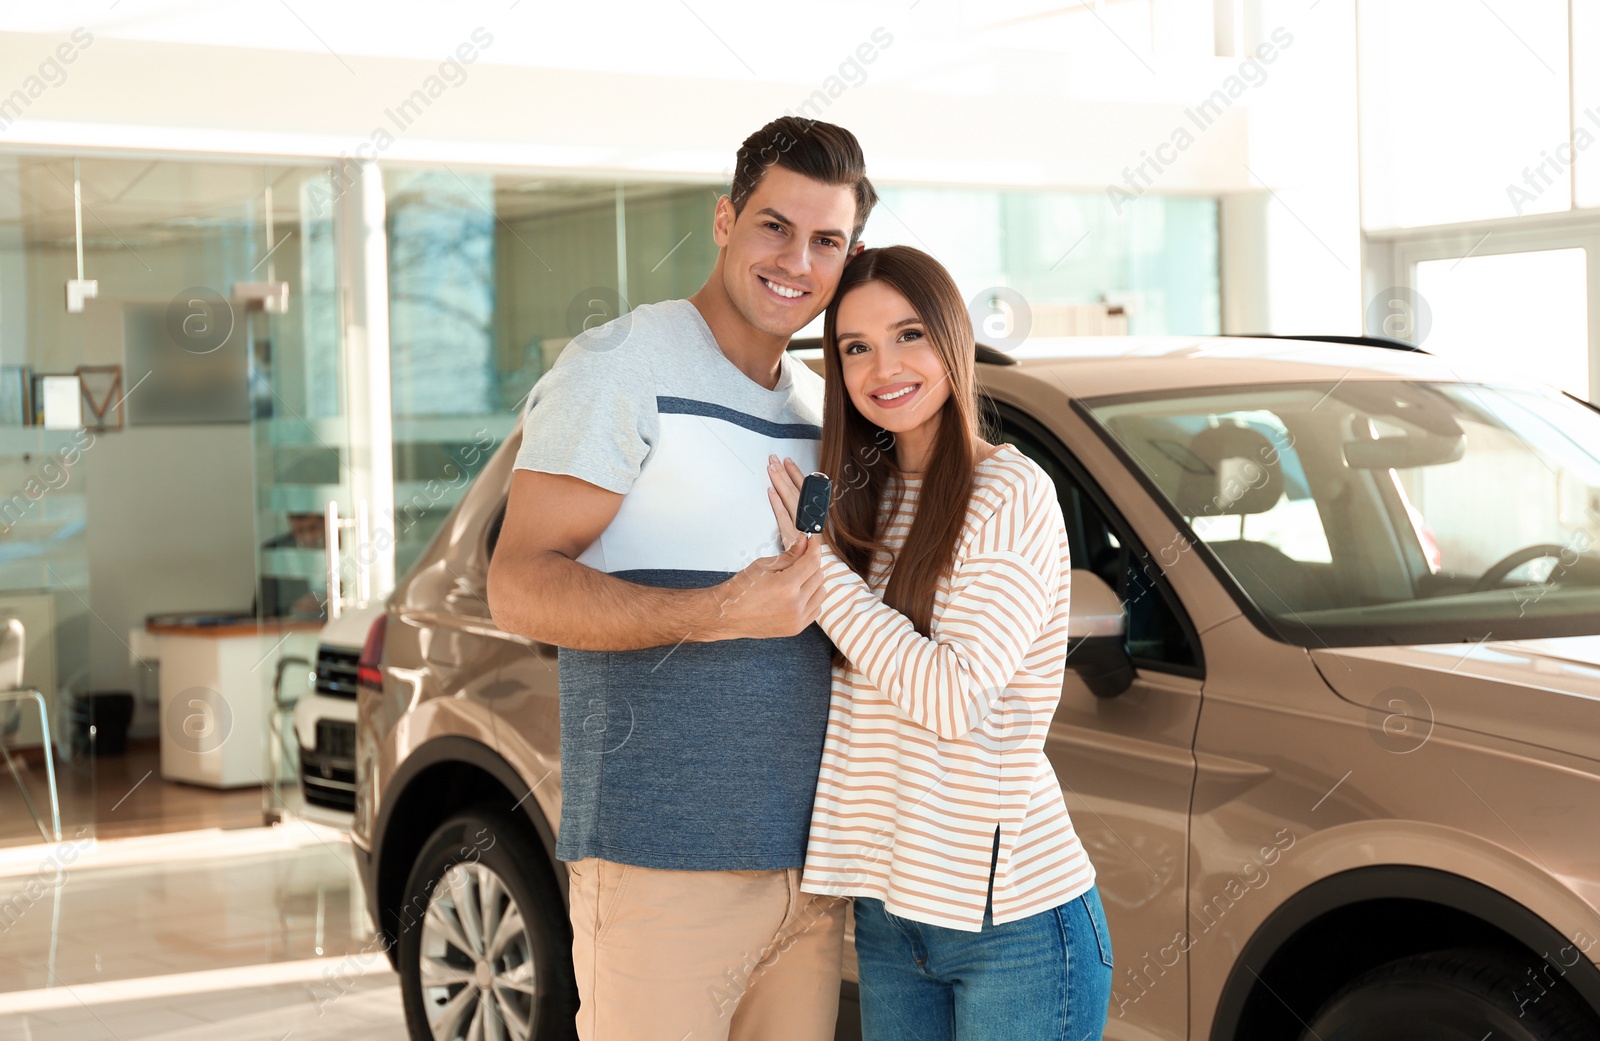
[1363, 341]
[983, 352]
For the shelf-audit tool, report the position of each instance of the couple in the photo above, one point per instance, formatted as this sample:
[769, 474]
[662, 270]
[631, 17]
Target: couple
[858, 713]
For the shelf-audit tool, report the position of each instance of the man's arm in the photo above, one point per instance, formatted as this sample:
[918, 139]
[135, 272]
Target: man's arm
[538, 589]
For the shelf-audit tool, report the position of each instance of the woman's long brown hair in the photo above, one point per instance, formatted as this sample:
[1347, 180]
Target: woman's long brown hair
[859, 455]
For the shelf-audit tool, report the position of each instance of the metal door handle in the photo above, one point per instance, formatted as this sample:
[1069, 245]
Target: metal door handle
[330, 541]
[363, 554]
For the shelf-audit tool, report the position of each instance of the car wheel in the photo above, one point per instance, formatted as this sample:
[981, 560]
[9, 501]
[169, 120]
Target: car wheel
[484, 948]
[1457, 995]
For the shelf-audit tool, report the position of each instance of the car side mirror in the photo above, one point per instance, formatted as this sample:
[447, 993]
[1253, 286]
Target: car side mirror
[1097, 636]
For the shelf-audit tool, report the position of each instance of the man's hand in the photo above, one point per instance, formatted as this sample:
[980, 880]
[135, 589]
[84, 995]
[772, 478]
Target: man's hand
[537, 589]
[773, 596]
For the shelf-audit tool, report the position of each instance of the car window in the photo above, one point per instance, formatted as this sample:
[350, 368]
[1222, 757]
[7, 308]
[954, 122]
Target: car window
[1362, 512]
[1292, 525]
[1159, 636]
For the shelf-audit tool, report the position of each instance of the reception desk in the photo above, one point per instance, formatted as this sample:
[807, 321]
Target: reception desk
[217, 698]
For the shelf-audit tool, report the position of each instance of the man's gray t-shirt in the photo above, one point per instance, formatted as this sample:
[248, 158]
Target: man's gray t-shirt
[702, 756]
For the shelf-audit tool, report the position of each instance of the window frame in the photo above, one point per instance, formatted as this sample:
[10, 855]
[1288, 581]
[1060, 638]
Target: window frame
[1392, 255]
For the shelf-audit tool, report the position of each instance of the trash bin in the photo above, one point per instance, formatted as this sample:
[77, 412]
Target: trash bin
[109, 712]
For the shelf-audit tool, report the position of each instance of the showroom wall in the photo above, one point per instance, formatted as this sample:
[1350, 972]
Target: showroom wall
[1092, 99]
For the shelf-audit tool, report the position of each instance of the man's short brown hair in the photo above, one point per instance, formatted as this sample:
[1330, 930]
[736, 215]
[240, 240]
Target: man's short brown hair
[821, 151]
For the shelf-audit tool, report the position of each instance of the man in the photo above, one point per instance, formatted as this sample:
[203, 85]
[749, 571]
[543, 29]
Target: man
[694, 682]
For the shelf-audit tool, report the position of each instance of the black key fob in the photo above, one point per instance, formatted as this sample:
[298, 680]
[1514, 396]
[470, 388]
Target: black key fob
[811, 515]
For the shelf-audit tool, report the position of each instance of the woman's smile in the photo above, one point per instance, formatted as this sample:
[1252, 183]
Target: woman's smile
[895, 395]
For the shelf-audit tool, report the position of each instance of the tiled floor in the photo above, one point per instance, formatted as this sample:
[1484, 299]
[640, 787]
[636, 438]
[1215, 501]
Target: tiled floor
[122, 795]
[243, 934]
[368, 1011]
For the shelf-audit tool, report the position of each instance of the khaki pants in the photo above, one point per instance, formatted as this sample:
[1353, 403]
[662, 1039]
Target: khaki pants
[703, 955]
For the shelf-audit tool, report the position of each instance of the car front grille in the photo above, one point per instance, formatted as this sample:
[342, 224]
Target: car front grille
[328, 772]
[336, 672]
[336, 739]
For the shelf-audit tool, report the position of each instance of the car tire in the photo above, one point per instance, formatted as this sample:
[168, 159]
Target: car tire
[479, 869]
[1455, 995]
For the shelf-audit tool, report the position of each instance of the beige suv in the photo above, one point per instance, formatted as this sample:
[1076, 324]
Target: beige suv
[1331, 732]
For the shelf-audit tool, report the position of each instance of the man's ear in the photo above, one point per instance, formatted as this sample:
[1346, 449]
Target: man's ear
[722, 221]
[857, 248]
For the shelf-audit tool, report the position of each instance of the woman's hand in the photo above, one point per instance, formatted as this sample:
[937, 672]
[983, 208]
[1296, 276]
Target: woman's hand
[784, 495]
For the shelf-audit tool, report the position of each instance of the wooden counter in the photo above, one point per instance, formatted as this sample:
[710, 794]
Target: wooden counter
[217, 700]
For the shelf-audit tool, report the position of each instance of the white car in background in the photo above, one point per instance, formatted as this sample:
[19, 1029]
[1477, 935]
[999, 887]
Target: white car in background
[325, 718]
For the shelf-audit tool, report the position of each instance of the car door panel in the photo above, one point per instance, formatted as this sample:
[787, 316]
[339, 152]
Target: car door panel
[1127, 769]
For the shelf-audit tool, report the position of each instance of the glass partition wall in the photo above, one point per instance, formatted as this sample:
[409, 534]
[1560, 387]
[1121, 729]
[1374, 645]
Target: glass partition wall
[44, 548]
[169, 403]
[490, 274]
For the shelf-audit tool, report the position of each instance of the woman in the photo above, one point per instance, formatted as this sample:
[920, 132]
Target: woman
[945, 573]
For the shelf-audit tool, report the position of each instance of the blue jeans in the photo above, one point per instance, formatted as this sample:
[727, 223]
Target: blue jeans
[1047, 976]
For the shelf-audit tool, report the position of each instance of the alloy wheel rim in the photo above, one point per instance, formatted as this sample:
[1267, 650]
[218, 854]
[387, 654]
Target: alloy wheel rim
[477, 971]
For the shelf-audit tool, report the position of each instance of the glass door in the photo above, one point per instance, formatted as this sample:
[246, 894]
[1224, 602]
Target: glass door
[299, 435]
[323, 477]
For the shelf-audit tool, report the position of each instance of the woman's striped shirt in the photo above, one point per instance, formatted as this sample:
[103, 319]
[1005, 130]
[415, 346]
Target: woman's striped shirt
[935, 741]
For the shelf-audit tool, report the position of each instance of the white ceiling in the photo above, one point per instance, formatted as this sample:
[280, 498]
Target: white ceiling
[731, 39]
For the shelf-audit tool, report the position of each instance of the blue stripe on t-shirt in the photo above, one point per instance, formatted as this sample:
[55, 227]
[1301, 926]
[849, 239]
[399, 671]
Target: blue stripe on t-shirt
[691, 407]
[698, 756]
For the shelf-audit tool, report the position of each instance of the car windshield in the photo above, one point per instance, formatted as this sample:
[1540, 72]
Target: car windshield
[1370, 512]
